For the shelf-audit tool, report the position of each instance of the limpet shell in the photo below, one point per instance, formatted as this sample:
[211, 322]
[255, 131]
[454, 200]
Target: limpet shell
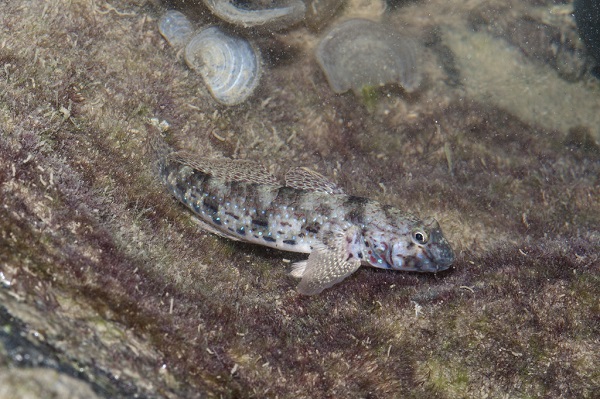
[359, 53]
[229, 64]
[175, 28]
[253, 13]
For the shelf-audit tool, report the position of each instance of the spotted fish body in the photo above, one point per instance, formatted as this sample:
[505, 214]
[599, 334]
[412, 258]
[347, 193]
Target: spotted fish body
[240, 200]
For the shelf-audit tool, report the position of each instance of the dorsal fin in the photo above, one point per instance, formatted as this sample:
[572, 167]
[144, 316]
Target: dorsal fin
[239, 170]
[307, 179]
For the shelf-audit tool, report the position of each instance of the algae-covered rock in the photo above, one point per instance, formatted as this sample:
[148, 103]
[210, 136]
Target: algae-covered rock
[107, 284]
[35, 383]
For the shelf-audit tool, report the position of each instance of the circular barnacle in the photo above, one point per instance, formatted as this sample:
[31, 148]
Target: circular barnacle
[229, 64]
[175, 28]
[253, 13]
[420, 237]
[360, 53]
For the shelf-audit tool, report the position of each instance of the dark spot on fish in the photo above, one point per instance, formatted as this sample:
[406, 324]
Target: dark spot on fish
[217, 220]
[280, 232]
[269, 239]
[260, 222]
[352, 199]
[360, 255]
[230, 229]
[241, 231]
[356, 208]
[313, 228]
[285, 224]
[289, 242]
[180, 187]
[410, 245]
[232, 215]
[211, 204]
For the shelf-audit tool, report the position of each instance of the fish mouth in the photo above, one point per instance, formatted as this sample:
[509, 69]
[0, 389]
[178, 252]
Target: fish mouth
[436, 259]
[445, 257]
[444, 266]
[445, 260]
[439, 252]
[426, 264]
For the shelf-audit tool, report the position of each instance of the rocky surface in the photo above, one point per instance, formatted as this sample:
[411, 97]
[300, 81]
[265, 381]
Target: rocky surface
[107, 285]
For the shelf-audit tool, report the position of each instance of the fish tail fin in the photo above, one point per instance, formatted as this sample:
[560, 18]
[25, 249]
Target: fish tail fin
[157, 148]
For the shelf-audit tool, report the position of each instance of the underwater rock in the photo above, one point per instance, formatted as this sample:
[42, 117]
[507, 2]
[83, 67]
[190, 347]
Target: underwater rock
[359, 53]
[254, 13]
[587, 18]
[548, 42]
[229, 64]
[175, 28]
[42, 382]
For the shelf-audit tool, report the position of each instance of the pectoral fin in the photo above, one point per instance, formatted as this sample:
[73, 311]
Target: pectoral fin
[328, 265]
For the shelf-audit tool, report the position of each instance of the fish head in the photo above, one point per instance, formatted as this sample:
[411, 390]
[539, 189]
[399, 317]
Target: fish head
[430, 250]
[421, 248]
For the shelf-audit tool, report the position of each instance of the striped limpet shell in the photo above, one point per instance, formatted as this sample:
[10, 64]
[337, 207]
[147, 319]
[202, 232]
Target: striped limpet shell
[230, 65]
[176, 28]
[254, 14]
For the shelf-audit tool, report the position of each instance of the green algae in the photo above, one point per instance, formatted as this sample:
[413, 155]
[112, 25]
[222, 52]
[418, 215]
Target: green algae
[448, 381]
[369, 97]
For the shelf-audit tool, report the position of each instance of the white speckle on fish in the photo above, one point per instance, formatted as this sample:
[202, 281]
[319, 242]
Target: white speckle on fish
[241, 200]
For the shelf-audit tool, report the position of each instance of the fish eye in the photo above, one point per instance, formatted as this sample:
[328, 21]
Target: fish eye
[420, 237]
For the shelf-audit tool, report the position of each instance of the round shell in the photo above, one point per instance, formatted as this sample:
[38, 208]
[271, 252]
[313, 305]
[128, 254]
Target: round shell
[229, 65]
[253, 13]
[359, 53]
[175, 28]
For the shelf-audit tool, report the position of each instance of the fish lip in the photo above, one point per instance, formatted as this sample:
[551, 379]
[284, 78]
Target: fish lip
[437, 264]
[445, 265]
[428, 264]
[439, 252]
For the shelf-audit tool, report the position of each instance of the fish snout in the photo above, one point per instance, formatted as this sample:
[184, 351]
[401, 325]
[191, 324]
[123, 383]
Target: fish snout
[439, 250]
